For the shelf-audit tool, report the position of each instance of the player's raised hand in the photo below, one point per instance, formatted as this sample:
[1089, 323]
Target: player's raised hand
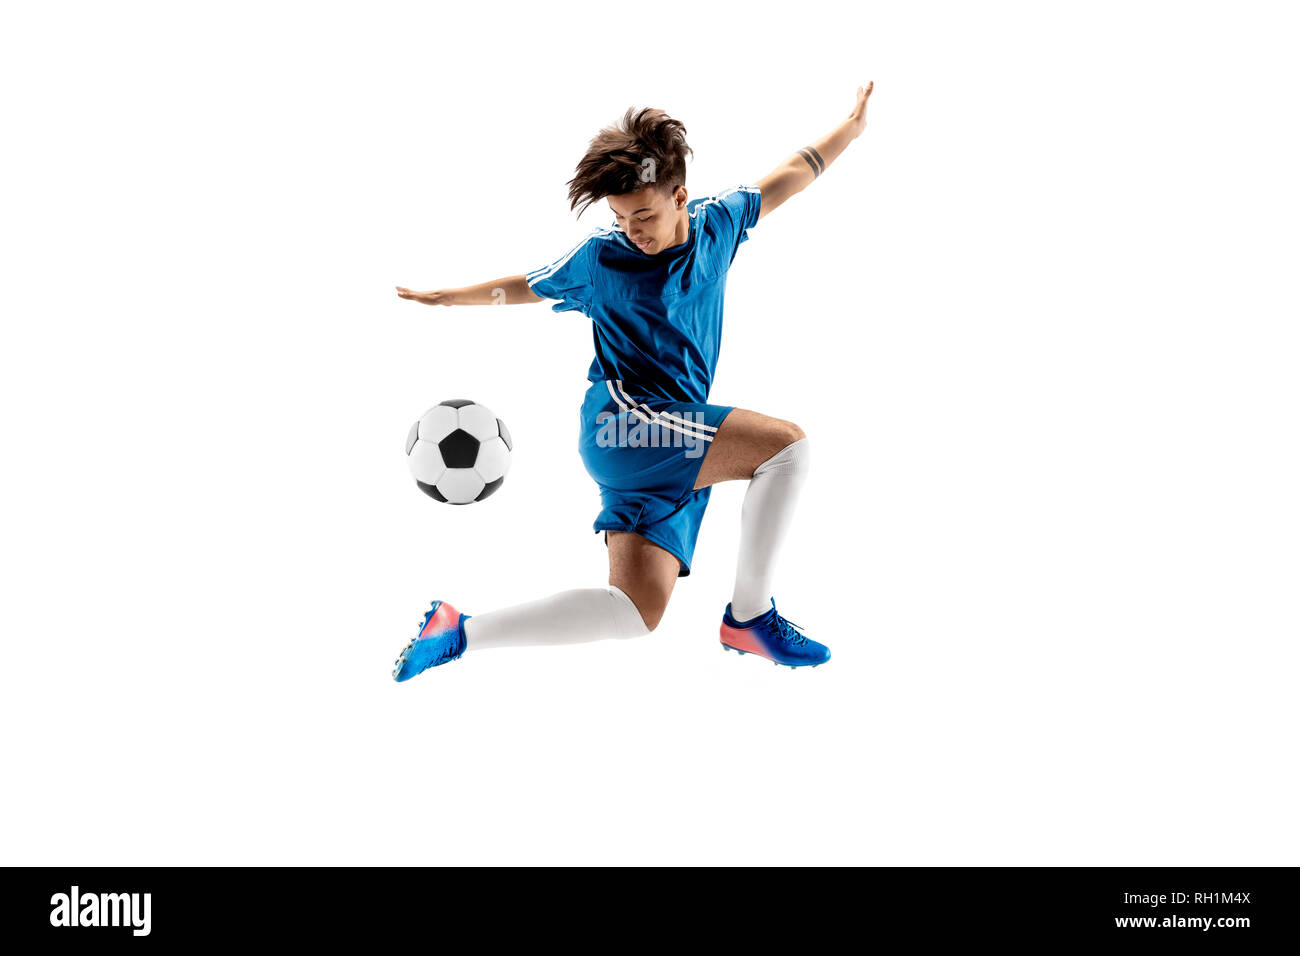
[859, 115]
[436, 297]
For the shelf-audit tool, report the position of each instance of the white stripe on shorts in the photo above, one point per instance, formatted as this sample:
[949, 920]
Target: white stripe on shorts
[668, 415]
[641, 410]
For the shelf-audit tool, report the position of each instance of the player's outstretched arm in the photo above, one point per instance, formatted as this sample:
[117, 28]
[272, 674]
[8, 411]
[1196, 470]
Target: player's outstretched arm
[510, 291]
[811, 161]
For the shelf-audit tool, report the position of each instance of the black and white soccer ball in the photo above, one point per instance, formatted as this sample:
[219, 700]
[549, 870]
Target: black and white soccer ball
[459, 452]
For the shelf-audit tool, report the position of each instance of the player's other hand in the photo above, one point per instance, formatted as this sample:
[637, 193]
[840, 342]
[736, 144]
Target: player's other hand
[859, 115]
[436, 297]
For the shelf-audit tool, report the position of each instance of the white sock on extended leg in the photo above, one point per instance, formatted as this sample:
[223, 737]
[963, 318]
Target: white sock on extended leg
[570, 617]
[764, 520]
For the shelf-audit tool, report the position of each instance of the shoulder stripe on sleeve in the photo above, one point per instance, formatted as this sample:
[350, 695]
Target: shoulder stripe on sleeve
[702, 207]
[548, 270]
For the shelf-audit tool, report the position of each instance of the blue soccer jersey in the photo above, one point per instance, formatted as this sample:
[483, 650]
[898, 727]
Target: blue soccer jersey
[657, 319]
[645, 426]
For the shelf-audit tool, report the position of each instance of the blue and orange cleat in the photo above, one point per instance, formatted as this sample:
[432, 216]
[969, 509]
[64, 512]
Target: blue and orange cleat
[441, 639]
[773, 637]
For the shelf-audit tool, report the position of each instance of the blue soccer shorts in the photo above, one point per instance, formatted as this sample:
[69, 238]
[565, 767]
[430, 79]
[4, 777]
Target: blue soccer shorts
[645, 454]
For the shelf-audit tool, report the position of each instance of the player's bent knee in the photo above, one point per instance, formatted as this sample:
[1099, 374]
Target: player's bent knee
[651, 611]
[644, 611]
[791, 433]
[652, 617]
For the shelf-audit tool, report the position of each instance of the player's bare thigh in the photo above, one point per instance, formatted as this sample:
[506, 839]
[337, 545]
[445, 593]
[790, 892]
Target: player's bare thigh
[644, 572]
[742, 442]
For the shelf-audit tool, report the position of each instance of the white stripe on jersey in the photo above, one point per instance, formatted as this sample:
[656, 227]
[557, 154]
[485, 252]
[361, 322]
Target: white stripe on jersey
[722, 195]
[547, 271]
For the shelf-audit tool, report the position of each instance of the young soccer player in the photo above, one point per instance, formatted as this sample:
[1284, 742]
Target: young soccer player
[652, 283]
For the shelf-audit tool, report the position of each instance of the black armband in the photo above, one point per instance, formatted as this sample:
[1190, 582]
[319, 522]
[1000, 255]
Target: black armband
[814, 160]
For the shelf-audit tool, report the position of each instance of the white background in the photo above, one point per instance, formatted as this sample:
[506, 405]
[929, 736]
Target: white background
[1039, 323]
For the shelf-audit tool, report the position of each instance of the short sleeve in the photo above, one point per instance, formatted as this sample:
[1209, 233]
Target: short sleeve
[567, 279]
[741, 206]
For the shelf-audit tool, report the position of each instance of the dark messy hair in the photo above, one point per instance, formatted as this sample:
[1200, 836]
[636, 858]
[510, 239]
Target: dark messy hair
[647, 147]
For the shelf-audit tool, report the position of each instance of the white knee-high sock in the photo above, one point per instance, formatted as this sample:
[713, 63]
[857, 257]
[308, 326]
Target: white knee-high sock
[570, 617]
[764, 520]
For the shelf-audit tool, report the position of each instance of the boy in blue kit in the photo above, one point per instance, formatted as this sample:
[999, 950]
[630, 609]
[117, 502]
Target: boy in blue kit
[652, 282]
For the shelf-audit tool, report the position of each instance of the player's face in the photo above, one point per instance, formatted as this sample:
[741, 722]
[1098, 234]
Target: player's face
[649, 218]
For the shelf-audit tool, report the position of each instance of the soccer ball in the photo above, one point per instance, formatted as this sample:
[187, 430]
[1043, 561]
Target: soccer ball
[459, 452]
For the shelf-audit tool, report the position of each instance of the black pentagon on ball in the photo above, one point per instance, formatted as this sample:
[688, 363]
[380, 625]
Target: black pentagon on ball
[490, 487]
[431, 491]
[459, 449]
[457, 402]
[505, 435]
